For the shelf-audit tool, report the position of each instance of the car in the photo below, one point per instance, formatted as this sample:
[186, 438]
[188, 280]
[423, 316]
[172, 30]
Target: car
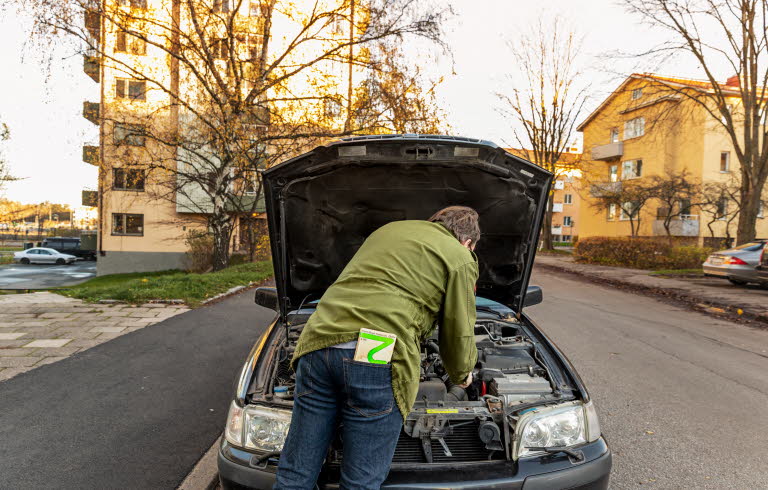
[42, 255]
[762, 267]
[71, 246]
[736, 264]
[526, 422]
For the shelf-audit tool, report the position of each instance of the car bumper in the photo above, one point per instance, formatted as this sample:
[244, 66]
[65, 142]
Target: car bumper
[743, 272]
[548, 472]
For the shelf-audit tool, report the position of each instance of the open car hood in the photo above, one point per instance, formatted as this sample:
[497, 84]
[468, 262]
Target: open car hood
[321, 206]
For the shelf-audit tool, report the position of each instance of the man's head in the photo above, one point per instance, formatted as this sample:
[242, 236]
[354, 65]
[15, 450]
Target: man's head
[462, 222]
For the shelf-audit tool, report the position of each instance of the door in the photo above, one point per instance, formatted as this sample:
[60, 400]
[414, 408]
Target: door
[46, 257]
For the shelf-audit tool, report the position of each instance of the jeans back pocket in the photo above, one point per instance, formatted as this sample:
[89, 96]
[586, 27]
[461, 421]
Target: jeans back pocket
[369, 387]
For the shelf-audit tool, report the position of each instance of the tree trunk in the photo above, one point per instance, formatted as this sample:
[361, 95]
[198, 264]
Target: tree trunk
[546, 237]
[221, 228]
[747, 224]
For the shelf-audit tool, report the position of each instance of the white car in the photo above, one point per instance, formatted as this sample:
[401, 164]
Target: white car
[43, 256]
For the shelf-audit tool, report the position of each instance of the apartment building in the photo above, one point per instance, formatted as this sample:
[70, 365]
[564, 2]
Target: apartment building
[144, 215]
[646, 128]
[566, 193]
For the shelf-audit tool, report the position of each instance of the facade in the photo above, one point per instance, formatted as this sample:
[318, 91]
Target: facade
[566, 193]
[647, 128]
[143, 219]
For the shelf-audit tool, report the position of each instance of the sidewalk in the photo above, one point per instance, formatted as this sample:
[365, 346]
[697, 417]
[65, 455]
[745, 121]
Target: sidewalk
[41, 328]
[712, 294]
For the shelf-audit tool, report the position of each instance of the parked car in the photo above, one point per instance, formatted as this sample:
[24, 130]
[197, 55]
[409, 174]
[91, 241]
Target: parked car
[762, 267]
[71, 246]
[40, 255]
[526, 422]
[737, 264]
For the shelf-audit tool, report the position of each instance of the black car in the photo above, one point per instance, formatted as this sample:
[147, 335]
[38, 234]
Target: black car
[69, 245]
[527, 422]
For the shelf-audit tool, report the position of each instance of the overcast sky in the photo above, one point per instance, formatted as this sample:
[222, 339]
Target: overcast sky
[44, 110]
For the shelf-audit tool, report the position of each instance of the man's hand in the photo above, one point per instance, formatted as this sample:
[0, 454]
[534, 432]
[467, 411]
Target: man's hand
[467, 381]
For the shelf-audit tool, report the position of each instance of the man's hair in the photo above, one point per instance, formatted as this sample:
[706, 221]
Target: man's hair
[461, 221]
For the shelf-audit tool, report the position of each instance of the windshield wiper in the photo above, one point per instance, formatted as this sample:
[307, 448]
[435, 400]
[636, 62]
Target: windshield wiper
[487, 309]
[576, 455]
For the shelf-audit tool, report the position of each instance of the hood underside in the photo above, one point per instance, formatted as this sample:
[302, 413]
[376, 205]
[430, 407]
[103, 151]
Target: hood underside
[322, 205]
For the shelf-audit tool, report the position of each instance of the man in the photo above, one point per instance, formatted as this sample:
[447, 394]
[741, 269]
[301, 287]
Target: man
[407, 276]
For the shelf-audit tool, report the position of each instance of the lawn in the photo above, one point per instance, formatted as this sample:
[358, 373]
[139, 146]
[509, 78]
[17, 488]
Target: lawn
[193, 289]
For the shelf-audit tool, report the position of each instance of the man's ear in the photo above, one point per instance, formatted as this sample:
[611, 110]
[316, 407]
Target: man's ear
[468, 244]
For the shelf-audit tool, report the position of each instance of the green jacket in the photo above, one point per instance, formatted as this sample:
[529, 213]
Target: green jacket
[407, 276]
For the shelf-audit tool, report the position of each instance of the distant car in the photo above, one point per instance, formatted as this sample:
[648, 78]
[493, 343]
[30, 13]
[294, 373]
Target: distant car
[42, 255]
[762, 268]
[71, 246]
[737, 264]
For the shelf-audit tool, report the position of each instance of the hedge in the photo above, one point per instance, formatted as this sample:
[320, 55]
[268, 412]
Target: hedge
[639, 253]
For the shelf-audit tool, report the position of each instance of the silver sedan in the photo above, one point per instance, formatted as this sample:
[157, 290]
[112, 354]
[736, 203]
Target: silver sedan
[737, 264]
[43, 255]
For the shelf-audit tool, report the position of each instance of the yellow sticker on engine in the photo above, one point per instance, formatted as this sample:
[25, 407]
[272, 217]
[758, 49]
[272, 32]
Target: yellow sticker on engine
[442, 410]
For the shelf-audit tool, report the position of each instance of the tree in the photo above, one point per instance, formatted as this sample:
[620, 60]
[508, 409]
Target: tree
[628, 197]
[721, 202]
[546, 97]
[676, 193]
[5, 175]
[735, 35]
[242, 86]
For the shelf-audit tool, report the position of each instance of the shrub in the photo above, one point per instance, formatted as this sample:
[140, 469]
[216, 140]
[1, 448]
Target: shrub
[199, 251]
[639, 253]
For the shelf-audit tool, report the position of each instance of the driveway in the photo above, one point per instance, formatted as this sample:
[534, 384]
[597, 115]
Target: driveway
[45, 276]
[135, 412]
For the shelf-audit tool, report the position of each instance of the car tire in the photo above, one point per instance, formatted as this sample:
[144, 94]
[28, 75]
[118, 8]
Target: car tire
[24, 261]
[60, 261]
[737, 282]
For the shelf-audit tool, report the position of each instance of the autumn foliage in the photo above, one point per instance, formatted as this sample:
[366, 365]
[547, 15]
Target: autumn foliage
[640, 253]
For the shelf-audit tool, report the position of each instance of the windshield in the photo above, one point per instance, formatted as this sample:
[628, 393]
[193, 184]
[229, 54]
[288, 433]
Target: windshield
[750, 247]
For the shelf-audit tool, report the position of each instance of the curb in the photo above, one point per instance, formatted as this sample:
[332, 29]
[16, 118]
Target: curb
[205, 474]
[721, 310]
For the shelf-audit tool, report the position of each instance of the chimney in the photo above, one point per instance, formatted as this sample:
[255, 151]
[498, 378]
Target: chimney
[732, 81]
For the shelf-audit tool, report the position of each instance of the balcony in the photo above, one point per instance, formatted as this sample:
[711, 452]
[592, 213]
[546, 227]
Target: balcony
[91, 67]
[91, 154]
[683, 225]
[604, 188]
[557, 207]
[608, 152]
[91, 112]
[90, 198]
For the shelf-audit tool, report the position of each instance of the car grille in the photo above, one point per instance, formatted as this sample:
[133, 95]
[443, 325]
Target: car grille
[464, 443]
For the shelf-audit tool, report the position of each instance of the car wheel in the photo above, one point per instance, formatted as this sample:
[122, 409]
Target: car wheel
[737, 282]
[25, 261]
[60, 261]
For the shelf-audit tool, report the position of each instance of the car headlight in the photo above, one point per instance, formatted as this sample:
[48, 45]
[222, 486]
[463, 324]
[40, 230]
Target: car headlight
[563, 425]
[259, 428]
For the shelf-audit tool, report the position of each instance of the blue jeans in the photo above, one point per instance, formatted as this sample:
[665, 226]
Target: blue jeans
[333, 389]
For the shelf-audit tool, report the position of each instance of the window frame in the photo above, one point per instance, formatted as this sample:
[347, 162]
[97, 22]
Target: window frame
[126, 40]
[634, 128]
[134, 135]
[637, 93]
[128, 170]
[126, 89]
[612, 212]
[614, 136]
[123, 217]
[613, 173]
[567, 198]
[727, 155]
[136, 4]
[623, 212]
[567, 221]
[636, 166]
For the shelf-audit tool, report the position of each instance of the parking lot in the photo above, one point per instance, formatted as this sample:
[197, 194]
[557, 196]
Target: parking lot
[45, 276]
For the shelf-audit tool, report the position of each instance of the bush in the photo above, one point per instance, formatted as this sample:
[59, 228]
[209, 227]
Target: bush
[639, 253]
[199, 251]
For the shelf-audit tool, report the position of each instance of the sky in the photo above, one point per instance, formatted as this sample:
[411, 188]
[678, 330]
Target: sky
[43, 108]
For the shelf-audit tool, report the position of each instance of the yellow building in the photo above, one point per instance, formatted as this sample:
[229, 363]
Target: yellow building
[646, 128]
[143, 222]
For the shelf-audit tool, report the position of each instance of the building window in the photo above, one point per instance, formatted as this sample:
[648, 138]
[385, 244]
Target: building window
[128, 134]
[130, 89]
[222, 6]
[128, 224]
[631, 169]
[128, 179]
[568, 199]
[250, 183]
[615, 135]
[567, 221]
[634, 128]
[128, 43]
[219, 48]
[722, 208]
[137, 4]
[685, 207]
[612, 212]
[567, 238]
[637, 93]
[614, 173]
[257, 8]
[725, 161]
[628, 209]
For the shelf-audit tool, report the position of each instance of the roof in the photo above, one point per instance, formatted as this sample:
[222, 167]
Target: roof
[566, 158]
[673, 82]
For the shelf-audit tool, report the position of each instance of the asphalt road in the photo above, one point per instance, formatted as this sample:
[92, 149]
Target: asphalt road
[682, 396]
[135, 412]
[45, 276]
